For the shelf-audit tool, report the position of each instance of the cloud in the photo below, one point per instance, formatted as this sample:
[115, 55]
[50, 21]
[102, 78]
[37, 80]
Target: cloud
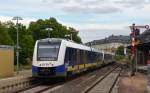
[97, 26]
[94, 18]
[91, 9]
[94, 31]
[100, 34]
[78, 7]
[84, 6]
[25, 21]
[133, 3]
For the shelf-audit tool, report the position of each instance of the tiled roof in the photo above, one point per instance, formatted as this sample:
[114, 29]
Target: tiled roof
[112, 39]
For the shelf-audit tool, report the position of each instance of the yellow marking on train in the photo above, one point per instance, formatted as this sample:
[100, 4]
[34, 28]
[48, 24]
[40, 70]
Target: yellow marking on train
[76, 68]
[70, 68]
[81, 66]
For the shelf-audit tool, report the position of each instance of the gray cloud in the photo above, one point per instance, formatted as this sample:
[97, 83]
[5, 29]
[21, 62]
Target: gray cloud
[90, 2]
[84, 6]
[133, 3]
[78, 1]
[96, 6]
[59, 1]
[105, 9]
[91, 10]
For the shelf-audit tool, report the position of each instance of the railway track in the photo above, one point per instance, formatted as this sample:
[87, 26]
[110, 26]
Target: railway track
[75, 85]
[39, 87]
[106, 83]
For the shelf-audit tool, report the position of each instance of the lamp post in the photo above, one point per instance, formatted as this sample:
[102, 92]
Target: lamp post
[69, 36]
[49, 30]
[17, 18]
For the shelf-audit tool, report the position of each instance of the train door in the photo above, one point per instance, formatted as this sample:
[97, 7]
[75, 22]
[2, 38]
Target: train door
[84, 58]
[81, 57]
[67, 58]
[75, 59]
[78, 59]
[103, 57]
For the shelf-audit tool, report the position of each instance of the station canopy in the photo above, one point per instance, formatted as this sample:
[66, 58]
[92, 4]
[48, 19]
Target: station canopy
[144, 46]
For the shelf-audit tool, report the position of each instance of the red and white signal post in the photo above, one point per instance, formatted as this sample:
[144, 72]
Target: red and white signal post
[135, 31]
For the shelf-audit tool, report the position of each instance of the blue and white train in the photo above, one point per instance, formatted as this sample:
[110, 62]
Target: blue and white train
[54, 57]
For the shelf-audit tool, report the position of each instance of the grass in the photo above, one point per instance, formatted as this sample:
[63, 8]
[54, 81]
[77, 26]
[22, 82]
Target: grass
[121, 59]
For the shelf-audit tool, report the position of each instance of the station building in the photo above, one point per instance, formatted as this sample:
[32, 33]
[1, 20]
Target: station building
[111, 43]
[6, 61]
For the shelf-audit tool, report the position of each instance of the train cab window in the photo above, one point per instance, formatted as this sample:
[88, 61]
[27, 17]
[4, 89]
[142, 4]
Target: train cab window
[48, 51]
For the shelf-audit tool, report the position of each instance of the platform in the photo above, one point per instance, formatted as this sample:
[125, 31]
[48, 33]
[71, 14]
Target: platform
[134, 84]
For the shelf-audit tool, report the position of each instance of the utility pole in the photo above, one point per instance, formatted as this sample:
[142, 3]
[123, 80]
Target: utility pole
[133, 50]
[17, 18]
[49, 30]
[70, 35]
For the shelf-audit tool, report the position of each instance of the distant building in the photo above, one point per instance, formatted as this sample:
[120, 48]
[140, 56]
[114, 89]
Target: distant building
[6, 61]
[109, 47]
[111, 43]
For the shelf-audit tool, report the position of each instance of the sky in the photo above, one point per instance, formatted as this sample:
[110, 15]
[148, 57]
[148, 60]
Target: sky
[95, 19]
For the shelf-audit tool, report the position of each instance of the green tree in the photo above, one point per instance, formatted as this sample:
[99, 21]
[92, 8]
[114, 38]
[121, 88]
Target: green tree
[5, 39]
[120, 53]
[28, 36]
[59, 31]
[26, 41]
[26, 51]
[120, 50]
[75, 36]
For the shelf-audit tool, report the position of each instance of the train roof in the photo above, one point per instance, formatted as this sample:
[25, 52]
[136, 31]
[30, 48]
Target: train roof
[70, 43]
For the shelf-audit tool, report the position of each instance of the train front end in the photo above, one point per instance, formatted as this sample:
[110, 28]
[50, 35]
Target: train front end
[48, 59]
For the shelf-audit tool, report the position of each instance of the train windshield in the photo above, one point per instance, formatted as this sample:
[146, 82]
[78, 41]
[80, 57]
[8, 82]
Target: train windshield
[48, 51]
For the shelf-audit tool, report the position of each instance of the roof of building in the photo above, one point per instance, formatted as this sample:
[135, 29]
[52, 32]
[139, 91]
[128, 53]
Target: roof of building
[6, 47]
[145, 36]
[111, 39]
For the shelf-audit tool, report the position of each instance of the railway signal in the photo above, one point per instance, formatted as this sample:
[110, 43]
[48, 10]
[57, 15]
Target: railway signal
[135, 31]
